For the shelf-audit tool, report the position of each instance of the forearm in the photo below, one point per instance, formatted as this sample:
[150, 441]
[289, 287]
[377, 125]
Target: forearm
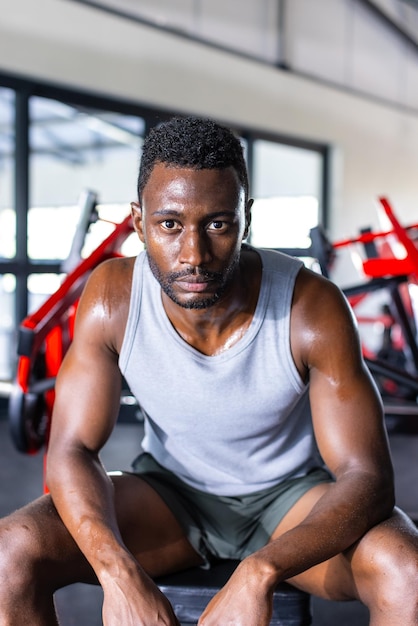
[348, 509]
[83, 495]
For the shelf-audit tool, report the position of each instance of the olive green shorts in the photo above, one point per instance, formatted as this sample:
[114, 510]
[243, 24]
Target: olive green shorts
[226, 527]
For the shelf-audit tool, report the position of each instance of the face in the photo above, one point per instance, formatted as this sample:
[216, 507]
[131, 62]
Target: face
[192, 223]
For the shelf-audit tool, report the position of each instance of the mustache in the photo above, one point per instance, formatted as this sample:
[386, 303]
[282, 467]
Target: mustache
[205, 274]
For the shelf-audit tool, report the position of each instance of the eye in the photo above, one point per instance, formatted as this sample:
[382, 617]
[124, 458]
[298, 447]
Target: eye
[169, 224]
[218, 225]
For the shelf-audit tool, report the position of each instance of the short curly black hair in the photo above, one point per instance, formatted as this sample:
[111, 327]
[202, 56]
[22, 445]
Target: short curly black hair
[192, 142]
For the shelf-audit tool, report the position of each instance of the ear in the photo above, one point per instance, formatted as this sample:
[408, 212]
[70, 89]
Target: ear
[136, 212]
[248, 217]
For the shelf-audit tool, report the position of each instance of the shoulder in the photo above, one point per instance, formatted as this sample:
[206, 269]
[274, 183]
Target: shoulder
[104, 304]
[322, 321]
[119, 266]
[313, 288]
[281, 268]
[110, 283]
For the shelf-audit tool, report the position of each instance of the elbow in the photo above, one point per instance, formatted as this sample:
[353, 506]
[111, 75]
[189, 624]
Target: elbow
[52, 471]
[58, 465]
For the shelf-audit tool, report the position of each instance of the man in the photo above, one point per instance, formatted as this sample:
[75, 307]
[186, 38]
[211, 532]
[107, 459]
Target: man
[264, 433]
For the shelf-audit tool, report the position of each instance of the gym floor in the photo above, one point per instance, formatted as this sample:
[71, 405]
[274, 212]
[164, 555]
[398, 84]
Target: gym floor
[80, 604]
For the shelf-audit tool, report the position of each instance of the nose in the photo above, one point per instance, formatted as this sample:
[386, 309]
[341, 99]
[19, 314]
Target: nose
[195, 249]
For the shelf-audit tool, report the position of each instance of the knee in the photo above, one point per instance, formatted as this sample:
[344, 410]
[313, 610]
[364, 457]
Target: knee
[393, 576]
[398, 580]
[395, 594]
[18, 550]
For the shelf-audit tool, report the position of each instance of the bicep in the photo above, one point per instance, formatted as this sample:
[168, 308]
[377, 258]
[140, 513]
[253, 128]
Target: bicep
[87, 400]
[88, 385]
[348, 421]
[346, 407]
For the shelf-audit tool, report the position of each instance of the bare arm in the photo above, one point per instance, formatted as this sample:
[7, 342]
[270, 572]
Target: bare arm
[349, 428]
[85, 411]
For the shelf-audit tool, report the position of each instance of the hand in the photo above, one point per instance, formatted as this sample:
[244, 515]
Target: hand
[138, 603]
[243, 601]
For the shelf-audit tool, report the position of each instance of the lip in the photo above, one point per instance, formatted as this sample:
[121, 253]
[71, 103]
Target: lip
[194, 284]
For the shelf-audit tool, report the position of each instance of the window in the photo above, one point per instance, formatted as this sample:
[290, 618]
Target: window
[7, 228]
[287, 188]
[74, 151]
[7, 152]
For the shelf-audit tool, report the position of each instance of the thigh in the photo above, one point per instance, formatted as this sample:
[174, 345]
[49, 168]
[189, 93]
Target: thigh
[149, 530]
[351, 575]
[320, 580]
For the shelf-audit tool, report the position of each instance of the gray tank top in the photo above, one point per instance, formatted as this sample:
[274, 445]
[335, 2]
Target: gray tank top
[229, 424]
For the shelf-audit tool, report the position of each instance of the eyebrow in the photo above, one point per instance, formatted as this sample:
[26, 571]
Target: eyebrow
[215, 214]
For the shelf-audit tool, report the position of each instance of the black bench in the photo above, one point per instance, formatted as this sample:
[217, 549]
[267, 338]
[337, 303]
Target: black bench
[190, 591]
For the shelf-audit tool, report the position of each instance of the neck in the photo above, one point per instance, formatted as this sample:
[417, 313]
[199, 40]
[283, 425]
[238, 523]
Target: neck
[218, 327]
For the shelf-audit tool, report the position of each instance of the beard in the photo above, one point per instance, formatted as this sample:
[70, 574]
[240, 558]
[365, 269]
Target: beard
[223, 279]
